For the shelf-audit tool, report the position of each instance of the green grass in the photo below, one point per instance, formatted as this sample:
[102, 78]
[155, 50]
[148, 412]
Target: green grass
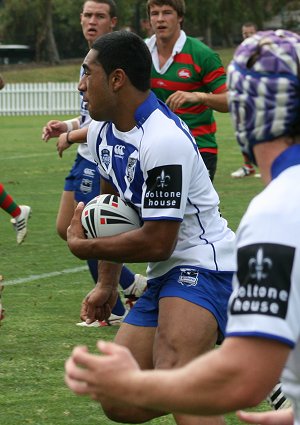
[39, 330]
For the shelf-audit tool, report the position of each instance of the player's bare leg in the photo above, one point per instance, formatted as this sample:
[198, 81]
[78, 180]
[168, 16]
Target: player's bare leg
[65, 213]
[177, 345]
[173, 346]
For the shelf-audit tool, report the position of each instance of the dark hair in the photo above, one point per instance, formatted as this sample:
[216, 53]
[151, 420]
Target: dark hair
[250, 24]
[127, 51]
[111, 3]
[178, 5]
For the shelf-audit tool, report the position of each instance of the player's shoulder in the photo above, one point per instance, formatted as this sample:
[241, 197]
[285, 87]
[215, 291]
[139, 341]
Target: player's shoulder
[96, 126]
[197, 44]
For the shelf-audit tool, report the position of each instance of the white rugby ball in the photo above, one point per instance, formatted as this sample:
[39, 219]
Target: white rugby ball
[108, 215]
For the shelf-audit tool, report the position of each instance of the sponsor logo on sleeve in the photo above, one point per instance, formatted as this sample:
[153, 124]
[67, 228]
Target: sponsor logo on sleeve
[264, 278]
[164, 187]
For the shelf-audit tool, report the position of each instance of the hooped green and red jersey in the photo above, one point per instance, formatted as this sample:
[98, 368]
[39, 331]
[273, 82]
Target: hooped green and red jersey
[195, 68]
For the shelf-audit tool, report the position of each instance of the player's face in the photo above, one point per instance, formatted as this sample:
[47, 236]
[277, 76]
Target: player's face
[95, 87]
[96, 20]
[165, 23]
[248, 31]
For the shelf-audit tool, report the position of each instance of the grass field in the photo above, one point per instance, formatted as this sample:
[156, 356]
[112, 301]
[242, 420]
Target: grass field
[45, 283]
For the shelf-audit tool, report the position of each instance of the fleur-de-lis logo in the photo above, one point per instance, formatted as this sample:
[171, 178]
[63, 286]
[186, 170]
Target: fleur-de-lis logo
[163, 180]
[259, 266]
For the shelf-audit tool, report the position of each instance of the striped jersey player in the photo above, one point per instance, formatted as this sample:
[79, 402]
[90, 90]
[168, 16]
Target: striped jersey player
[192, 67]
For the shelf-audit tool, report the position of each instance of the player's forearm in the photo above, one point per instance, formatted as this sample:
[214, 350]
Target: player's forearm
[127, 247]
[77, 136]
[72, 124]
[219, 382]
[217, 102]
[205, 393]
[109, 274]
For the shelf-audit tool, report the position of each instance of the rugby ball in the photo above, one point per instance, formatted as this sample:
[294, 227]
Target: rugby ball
[108, 215]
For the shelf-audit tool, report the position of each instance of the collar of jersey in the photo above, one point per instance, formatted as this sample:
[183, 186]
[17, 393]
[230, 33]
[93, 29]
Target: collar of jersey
[145, 109]
[288, 158]
[178, 46]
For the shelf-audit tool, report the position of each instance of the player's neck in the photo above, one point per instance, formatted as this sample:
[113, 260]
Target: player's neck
[128, 104]
[165, 46]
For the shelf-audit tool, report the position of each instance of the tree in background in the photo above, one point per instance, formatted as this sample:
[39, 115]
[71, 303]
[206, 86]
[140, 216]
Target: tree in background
[30, 22]
[51, 26]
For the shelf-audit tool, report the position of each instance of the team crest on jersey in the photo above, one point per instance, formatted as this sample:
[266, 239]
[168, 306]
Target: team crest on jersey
[130, 170]
[184, 73]
[188, 277]
[105, 155]
[164, 187]
[264, 280]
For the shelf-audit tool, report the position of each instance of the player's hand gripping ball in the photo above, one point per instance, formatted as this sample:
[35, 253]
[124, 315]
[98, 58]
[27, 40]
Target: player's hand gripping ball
[108, 215]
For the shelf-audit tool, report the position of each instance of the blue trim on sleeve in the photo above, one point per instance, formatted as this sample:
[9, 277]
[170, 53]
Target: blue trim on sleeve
[263, 335]
[162, 218]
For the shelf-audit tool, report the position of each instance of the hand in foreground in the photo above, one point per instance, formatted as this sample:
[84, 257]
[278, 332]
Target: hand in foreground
[177, 99]
[99, 303]
[75, 233]
[273, 417]
[101, 377]
[54, 128]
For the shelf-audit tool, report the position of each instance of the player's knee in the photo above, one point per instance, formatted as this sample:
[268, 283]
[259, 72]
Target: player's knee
[167, 353]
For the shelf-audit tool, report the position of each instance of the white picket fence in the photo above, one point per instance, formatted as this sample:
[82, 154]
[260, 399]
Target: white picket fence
[39, 99]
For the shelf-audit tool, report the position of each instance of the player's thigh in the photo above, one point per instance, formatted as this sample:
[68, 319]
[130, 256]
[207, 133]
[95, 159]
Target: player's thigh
[65, 213]
[185, 330]
[139, 339]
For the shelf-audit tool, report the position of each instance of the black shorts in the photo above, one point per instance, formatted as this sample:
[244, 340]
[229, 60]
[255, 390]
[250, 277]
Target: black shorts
[210, 161]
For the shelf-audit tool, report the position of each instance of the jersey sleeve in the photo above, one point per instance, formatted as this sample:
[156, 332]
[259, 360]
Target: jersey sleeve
[266, 293]
[214, 76]
[167, 162]
[212, 71]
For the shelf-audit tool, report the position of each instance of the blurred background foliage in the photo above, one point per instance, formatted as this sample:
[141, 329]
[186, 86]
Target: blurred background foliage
[51, 27]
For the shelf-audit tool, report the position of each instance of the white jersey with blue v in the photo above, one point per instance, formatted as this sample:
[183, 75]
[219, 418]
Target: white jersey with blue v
[156, 167]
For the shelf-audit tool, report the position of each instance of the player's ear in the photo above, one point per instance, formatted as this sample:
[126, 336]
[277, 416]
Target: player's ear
[113, 22]
[117, 78]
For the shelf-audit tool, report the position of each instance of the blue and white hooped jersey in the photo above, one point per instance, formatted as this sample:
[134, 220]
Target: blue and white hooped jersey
[266, 298]
[156, 167]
